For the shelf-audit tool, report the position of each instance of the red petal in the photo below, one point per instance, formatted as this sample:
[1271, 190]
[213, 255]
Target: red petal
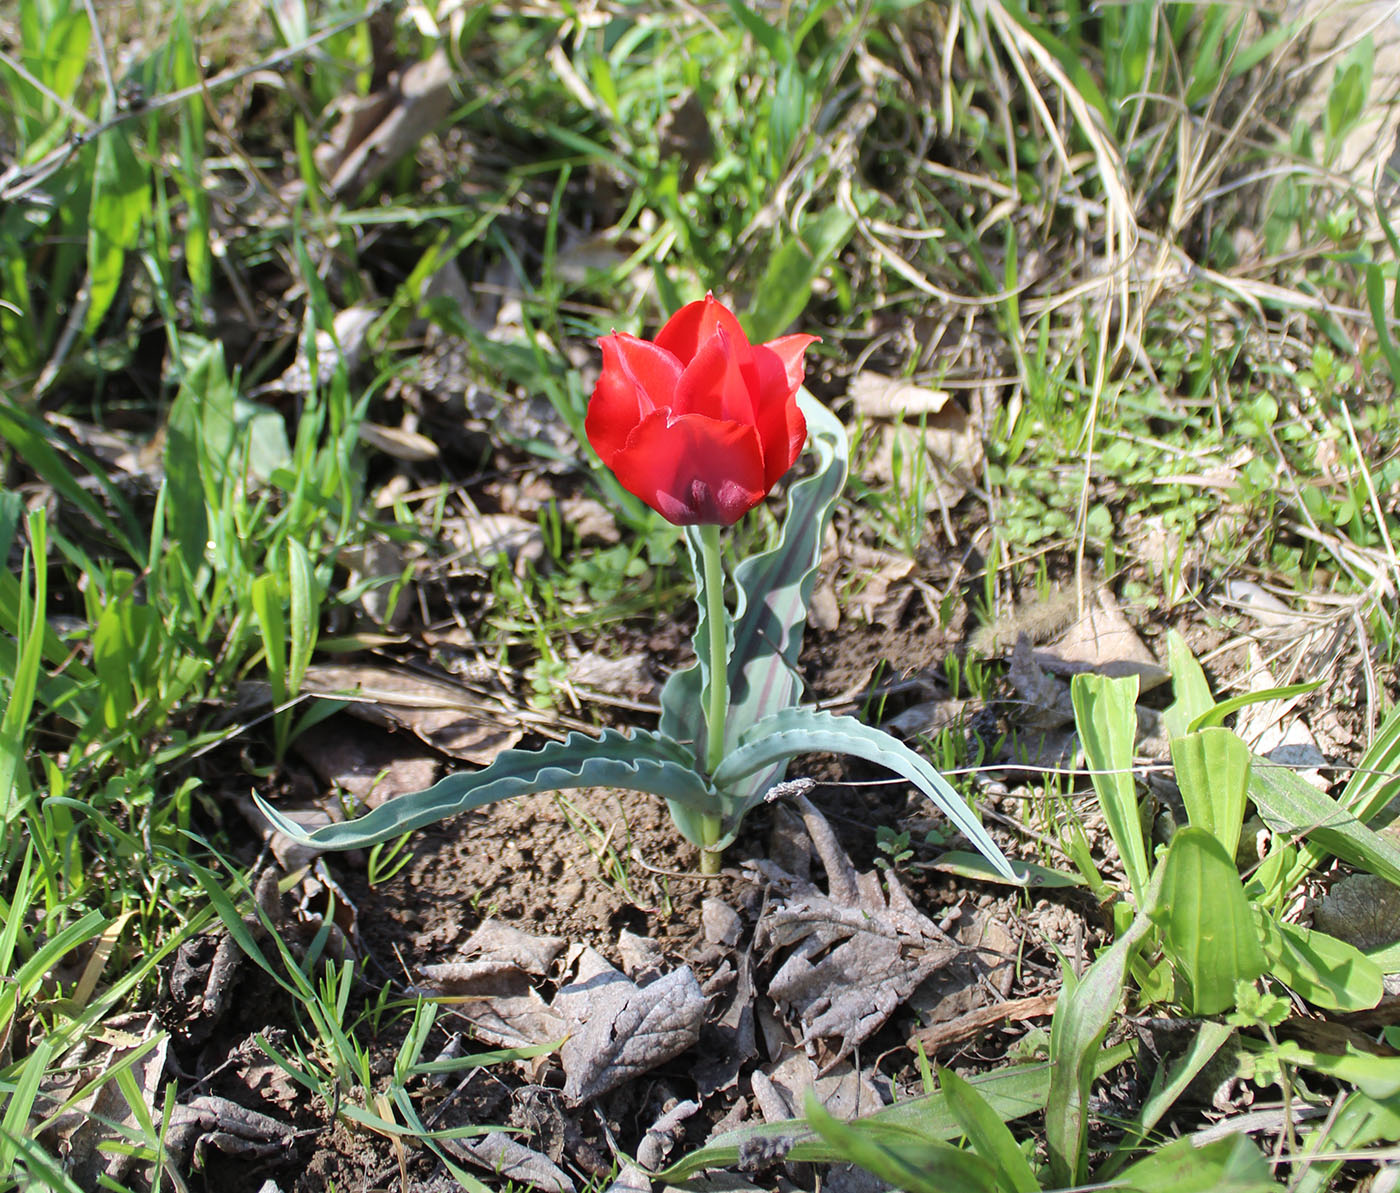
[695, 323]
[781, 428]
[693, 470]
[719, 382]
[637, 378]
[790, 350]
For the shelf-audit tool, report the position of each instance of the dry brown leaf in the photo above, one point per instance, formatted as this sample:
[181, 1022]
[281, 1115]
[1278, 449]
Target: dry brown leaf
[511, 1160]
[628, 676]
[951, 451]
[371, 766]
[878, 396]
[375, 135]
[1101, 640]
[621, 1030]
[399, 442]
[440, 712]
[857, 954]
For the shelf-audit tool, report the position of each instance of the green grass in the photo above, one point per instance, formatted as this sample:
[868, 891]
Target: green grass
[1108, 230]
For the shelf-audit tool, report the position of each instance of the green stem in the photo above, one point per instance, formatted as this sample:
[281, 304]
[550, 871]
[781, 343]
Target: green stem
[717, 707]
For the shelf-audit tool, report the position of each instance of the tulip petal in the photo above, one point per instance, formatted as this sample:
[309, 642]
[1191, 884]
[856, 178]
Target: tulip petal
[790, 350]
[693, 470]
[637, 378]
[694, 324]
[719, 382]
[781, 428]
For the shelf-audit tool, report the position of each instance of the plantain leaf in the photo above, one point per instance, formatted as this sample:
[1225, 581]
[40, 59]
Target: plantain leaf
[1212, 769]
[793, 731]
[1293, 808]
[121, 197]
[1105, 714]
[638, 760]
[1190, 688]
[1083, 1013]
[770, 614]
[1329, 973]
[1207, 927]
[1230, 1165]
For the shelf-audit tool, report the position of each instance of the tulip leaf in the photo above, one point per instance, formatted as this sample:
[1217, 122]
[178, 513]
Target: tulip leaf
[793, 731]
[639, 760]
[771, 614]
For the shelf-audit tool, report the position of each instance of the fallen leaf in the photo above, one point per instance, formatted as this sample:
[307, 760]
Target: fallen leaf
[857, 954]
[374, 136]
[1101, 640]
[628, 676]
[440, 712]
[370, 766]
[511, 1160]
[1362, 909]
[621, 1030]
[878, 396]
[399, 442]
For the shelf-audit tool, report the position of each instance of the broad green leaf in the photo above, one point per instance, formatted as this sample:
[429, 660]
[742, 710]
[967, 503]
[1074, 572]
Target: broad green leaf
[1375, 1076]
[1293, 808]
[305, 610]
[987, 1134]
[1207, 926]
[1105, 713]
[1190, 689]
[121, 197]
[1013, 1093]
[1082, 1017]
[639, 761]
[1230, 1165]
[775, 41]
[973, 865]
[1212, 769]
[267, 608]
[1322, 970]
[770, 615]
[906, 1160]
[806, 730]
[786, 286]
[31, 623]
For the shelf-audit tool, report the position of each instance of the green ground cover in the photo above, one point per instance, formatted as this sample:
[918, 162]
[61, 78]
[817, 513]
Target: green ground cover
[286, 288]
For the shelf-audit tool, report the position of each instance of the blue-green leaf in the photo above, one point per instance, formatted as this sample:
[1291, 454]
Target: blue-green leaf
[641, 761]
[794, 731]
[770, 615]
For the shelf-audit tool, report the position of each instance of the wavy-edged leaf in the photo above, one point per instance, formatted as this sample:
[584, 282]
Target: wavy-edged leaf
[1105, 713]
[793, 731]
[1207, 926]
[638, 760]
[770, 615]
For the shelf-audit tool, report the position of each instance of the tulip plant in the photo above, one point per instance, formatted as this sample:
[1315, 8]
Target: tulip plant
[700, 425]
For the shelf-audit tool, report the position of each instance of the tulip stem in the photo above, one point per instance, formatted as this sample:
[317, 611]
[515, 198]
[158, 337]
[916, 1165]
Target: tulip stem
[717, 707]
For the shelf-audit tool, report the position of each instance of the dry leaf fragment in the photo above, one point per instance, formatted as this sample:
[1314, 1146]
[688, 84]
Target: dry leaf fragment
[878, 396]
[1103, 641]
[442, 713]
[370, 766]
[374, 138]
[508, 1158]
[622, 1030]
[399, 442]
[858, 954]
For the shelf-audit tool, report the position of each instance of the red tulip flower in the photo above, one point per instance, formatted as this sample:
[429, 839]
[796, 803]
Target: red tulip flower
[699, 423]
